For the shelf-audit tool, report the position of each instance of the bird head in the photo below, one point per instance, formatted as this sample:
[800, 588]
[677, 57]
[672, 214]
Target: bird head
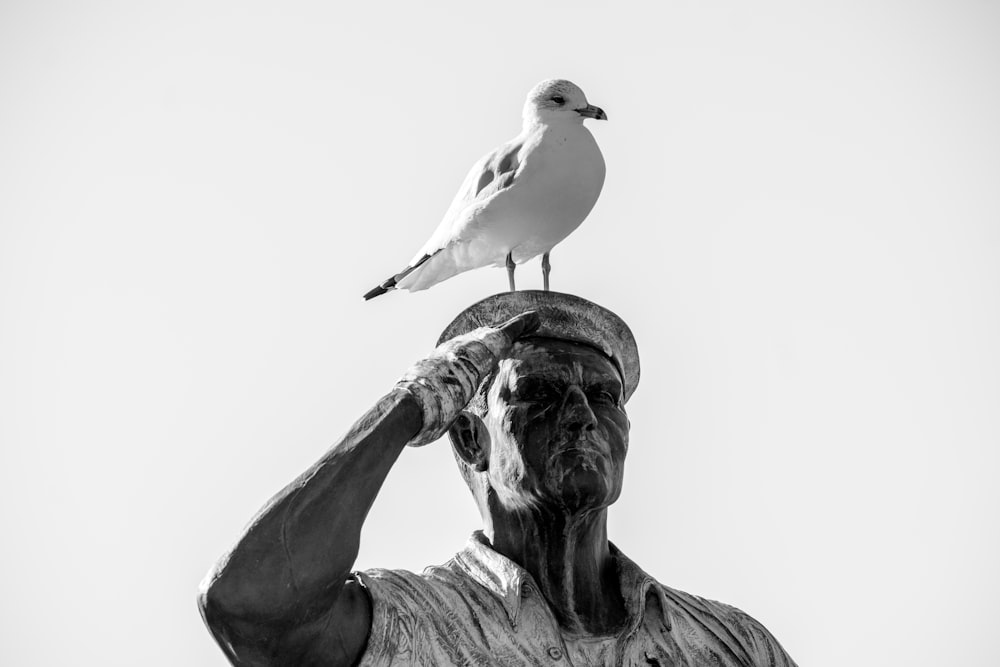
[559, 100]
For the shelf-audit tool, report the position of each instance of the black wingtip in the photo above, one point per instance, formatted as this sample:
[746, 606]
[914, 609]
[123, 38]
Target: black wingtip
[390, 284]
[381, 289]
[374, 292]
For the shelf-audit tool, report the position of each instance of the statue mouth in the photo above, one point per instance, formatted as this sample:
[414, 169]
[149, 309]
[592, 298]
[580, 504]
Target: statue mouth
[576, 449]
[584, 448]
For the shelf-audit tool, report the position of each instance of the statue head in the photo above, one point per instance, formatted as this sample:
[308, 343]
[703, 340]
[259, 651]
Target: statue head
[548, 429]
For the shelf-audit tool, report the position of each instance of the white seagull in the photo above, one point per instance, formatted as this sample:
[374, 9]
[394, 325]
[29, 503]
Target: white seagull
[519, 200]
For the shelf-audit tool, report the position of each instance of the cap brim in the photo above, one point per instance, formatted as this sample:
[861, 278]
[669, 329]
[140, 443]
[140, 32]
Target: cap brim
[564, 317]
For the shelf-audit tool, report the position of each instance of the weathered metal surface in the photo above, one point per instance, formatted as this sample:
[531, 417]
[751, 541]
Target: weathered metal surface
[481, 609]
[563, 316]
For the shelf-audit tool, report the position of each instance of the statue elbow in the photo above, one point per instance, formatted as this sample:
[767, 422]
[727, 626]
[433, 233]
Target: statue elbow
[219, 612]
[231, 633]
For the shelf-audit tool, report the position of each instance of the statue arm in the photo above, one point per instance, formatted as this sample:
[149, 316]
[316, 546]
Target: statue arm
[284, 594]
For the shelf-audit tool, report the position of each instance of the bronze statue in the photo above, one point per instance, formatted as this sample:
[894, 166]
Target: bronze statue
[535, 408]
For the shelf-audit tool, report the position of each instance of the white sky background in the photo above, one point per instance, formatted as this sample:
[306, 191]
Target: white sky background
[801, 223]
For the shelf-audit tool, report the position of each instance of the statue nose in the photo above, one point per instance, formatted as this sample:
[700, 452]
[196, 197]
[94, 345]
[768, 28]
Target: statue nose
[576, 413]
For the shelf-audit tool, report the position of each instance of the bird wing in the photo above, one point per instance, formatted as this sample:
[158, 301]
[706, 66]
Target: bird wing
[495, 172]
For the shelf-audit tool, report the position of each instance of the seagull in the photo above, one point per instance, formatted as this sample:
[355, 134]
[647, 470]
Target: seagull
[519, 200]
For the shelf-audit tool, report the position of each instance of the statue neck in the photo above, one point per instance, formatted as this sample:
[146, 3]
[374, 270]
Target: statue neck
[569, 558]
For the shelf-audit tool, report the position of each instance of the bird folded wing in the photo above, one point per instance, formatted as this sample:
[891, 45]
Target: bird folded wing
[493, 173]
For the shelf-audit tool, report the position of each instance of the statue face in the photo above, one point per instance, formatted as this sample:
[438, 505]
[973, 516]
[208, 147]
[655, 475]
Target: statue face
[558, 428]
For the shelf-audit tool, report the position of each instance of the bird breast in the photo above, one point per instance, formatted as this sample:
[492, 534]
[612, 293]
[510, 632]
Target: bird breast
[558, 187]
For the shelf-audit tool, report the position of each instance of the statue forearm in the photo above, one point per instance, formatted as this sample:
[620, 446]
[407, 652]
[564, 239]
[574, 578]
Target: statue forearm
[297, 552]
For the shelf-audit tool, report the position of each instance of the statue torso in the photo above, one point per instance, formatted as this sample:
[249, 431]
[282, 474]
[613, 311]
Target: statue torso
[482, 609]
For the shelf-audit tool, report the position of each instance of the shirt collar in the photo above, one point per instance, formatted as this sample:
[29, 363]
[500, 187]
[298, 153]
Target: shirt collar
[506, 579]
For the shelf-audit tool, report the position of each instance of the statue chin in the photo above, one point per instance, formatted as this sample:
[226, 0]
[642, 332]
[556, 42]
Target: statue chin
[569, 489]
[581, 485]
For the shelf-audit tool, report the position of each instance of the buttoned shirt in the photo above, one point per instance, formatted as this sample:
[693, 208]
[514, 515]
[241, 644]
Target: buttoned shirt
[481, 608]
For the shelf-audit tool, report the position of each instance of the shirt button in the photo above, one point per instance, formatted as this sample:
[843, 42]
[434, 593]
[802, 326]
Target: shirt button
[555, 653]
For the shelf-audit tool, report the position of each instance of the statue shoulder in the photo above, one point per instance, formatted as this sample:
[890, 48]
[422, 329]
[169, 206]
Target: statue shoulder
[402, 597]
[432, 577]
[717, 622]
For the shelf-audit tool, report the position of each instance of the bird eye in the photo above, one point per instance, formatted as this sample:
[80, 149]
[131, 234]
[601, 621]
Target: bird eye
[559, 99]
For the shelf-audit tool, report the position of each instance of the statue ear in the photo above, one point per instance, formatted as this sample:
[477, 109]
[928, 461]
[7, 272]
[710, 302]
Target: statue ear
[471, 440]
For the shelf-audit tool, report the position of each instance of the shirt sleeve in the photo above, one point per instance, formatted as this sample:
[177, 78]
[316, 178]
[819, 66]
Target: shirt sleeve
[395, 632]
[759, 642]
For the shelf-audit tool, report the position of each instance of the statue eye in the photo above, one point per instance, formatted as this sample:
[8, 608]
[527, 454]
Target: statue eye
[537, 392]
[559, 99]
[541, 395]
[605, 395]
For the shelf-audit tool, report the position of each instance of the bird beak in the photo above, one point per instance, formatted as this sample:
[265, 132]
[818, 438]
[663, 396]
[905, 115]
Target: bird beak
[590, 111]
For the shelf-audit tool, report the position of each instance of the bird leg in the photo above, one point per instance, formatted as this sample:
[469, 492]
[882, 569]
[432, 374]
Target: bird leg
[510, 270]
[546, 267]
